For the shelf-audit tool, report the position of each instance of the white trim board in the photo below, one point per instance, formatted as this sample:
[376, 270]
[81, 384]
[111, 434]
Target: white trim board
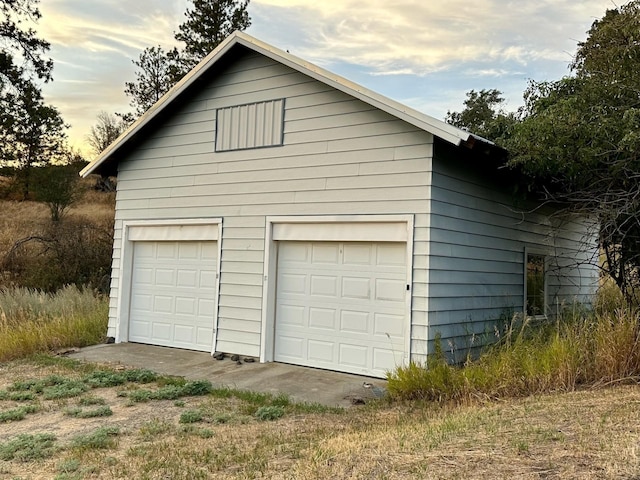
[391, 228]
[200, 229]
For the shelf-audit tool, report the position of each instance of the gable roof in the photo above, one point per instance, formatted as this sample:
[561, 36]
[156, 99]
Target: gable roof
[106, 161]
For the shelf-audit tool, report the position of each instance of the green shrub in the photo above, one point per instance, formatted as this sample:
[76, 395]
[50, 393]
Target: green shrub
[191, 416]
[67, 389]
[17, 396]
[102, 411]
[197, 388]
[102, 438]
[104, 378]
[172, 391]
[26, 448]
[140, 375]
[269, 412]
[91, 400]
[17, 414]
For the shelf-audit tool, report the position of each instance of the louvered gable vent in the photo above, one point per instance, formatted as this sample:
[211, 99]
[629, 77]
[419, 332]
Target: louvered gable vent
[254, 125]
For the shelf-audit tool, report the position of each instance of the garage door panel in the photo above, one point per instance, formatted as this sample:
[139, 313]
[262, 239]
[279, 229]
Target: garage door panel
[188, 251]
[356, 288]
[383, 357]
[206, 308]
[188, 278]
[166, 250]
[143, 276]
[162, 304]
[208, 279]
[390, 255]
[357, 254]
[185, 306]
[173, 294]
[341, 305]
[321, 351]
[324, 254]
[322, 318]
[165, 277]
[292, 348]
[324, 285]
[141, 302]
[292, 315]
[355, 322]
[354, 355]
[296, 253]
[145, 250]
[292, 283]
[184, 334]
[209, 251]
[161, 330]
[388, 326]
[390, 290]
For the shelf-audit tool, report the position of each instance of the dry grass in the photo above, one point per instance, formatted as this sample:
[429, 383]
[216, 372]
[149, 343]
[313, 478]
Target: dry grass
[21, 219]
[586, 348]
[32, 322]
[38, 253]
[585, 434]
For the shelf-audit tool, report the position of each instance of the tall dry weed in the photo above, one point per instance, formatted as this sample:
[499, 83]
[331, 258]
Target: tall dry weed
[33, 321]
[582, 348]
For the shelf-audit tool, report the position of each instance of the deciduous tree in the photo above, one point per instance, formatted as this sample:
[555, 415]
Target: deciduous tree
[579, 139]
[105, 131]
[483, 115]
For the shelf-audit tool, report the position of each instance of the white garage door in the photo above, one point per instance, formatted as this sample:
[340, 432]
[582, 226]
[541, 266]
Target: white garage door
[341, 306]
[173, 294]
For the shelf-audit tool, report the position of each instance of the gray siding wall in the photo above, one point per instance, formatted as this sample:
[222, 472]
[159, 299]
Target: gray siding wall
[477, 245]
[340, 156]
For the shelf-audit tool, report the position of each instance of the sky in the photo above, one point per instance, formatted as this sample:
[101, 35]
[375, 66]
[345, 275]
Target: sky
[424, 53]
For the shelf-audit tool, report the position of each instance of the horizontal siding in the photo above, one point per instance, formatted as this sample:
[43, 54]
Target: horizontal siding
[340, 156]
[476, 254]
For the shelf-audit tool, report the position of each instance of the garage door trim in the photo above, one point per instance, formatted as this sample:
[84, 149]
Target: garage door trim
[201, 229]
[380, 228]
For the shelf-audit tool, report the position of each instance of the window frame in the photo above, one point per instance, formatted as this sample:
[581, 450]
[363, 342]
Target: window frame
[535, 252]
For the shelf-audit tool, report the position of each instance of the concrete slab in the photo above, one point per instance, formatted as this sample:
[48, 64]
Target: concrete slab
[302, 384]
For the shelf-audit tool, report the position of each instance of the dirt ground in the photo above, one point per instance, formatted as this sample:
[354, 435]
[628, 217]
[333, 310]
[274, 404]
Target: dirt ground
[592, 434]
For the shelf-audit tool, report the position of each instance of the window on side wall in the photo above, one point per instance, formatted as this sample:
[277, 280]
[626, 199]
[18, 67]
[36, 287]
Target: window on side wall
[535, 283]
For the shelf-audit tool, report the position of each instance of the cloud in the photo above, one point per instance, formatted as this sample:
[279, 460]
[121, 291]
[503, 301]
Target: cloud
[424, 37]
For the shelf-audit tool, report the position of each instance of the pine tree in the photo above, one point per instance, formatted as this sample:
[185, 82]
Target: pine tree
[208, 24]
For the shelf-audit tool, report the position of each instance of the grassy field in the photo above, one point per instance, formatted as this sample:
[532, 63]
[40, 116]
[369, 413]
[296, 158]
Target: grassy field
[62, 420]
